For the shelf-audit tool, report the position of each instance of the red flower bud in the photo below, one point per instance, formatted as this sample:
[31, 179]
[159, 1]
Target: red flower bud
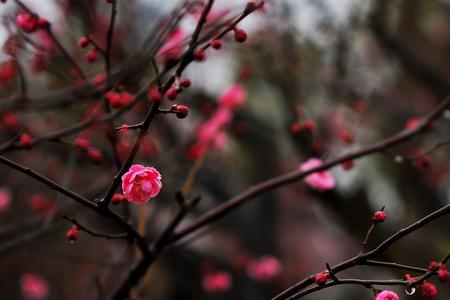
[346, 136]
[119, 99]
[84, 41]
[429, 290]
[182, 111]
[199, 55]
[42, 22]
[95, 155]
[154, 95]
[91, 55]
[296, 127]
[26, 140]
[72, 234]
[433, 264]
[27, 22]
[172, 93]
[10, 121]
[321, 278]
[443, 274]
[82, 143]
[379, 216]
[347, 165]
[309, 126]
[409, 278]
[7, 72]
[216, 44]
[185, 82]
[117, 198]
[240, 35]
[250, 6]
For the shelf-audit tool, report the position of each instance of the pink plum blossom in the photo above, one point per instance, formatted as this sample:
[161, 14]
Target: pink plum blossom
[140, 183]
[264, 268]
[233, 97]
[210, 131]
[387, 295]
[217, 282]
[321, 181]
[173, 46]
[34, 286]
[5, 199]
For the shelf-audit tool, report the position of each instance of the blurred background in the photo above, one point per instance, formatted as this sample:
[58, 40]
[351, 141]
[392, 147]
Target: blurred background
[359, 70]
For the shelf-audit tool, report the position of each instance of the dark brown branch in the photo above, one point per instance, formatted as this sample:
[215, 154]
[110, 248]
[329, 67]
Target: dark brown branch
[52, 36]
[392, 265]
[50, 183]
[271, 184]
[109, 38]
[108, 236]
[429, 273]
[158, 245]
[365, 283]
[362, 258]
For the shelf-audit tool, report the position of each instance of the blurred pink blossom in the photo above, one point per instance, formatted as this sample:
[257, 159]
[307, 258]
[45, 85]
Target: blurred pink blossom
[321, 181]
[264, 268]
[217, 282]
[5, 199]
[173, 46]
[34, 286]
[233, 97]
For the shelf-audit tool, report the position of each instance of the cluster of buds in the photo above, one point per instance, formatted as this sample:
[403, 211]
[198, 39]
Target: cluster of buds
[84, 145]
[172, 92]
[443, 275]
[30, 23]
[309, 126]
[119, 99]
[91, 55]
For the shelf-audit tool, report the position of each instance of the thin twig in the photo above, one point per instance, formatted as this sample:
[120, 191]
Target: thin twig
[108, 236]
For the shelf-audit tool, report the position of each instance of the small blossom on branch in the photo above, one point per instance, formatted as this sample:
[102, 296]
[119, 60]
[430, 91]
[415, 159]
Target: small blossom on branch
[140, 183]
[321, 181]
[387, 295]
